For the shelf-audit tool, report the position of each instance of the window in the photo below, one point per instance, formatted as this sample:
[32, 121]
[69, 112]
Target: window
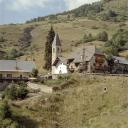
[9, 75]
[58, 50]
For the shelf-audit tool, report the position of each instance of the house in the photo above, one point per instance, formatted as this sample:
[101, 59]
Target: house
[120, 65]
[90, 59]
[13, 69]
[59, 64]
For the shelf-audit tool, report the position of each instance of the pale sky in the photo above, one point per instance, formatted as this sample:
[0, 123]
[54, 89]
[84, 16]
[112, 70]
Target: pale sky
[18, 11]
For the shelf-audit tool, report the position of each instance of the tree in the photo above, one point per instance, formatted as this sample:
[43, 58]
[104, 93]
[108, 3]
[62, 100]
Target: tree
[87, 38]
[111, 13]
[120, 38]
[52, 17]
[117, 43]
[103, 36]
[48, 49]
[35, 72]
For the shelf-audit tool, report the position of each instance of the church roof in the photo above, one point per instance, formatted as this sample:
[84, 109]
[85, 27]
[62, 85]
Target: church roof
[14, 65]
[60, 60]
[56, 41]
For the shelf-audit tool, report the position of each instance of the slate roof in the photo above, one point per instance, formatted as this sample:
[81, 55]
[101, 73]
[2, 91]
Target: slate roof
[90, 51]
[56, 41]
[121, 60]
[14, 65]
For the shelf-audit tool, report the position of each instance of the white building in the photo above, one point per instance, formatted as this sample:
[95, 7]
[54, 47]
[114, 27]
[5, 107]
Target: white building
[59, 65]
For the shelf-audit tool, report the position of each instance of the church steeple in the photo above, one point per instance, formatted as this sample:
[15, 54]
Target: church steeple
[56, 41]
[56, 48]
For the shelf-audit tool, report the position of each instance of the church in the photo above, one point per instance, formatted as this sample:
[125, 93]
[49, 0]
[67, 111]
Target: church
[94, 58]
[59, 64]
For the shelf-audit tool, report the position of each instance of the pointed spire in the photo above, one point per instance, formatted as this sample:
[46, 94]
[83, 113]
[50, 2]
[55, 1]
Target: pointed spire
[56, 41]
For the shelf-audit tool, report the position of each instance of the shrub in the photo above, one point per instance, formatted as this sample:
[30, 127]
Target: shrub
[15, 92]
[120, 38]
[95, 27]
[34, 72]
[111, 13]
[2, 39]
[111, 50]
[10, 93]
[5, 111]
[87, 38]
[22, 92]
[102, 36]
[15, 125]
[14, 54]
[117, 43]
[52, 17]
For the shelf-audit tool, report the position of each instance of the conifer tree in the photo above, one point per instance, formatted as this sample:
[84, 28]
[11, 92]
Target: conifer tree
[48, 49]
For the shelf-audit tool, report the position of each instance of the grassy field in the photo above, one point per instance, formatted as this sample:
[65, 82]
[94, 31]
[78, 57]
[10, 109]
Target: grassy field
[89, 102]
[71, 33]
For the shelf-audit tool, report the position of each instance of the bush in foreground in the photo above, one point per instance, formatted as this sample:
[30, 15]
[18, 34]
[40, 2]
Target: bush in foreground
[15, 92]
[5, 111]
[6, 117]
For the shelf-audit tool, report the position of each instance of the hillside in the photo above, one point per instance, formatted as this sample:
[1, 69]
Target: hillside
[71, 33]
[106, 10]
[91, 101]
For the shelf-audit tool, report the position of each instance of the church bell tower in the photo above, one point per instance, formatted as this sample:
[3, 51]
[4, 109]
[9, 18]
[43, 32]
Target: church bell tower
[56, 48]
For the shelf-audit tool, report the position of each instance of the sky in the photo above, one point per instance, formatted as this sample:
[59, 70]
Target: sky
[19, 11]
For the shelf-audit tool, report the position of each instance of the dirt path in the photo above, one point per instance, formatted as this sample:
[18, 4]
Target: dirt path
[42, 88]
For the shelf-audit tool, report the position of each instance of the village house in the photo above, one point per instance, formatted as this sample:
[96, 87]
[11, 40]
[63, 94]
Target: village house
[59, 64]
[91, 60]
[14, 70]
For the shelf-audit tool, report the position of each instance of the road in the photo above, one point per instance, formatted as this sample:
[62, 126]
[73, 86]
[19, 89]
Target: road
[42, 88]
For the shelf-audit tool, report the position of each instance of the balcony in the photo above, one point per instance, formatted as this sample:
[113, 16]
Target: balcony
[8, 79]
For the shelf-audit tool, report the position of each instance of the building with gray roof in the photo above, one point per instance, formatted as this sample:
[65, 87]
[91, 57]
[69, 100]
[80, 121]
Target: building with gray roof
[16, 68]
